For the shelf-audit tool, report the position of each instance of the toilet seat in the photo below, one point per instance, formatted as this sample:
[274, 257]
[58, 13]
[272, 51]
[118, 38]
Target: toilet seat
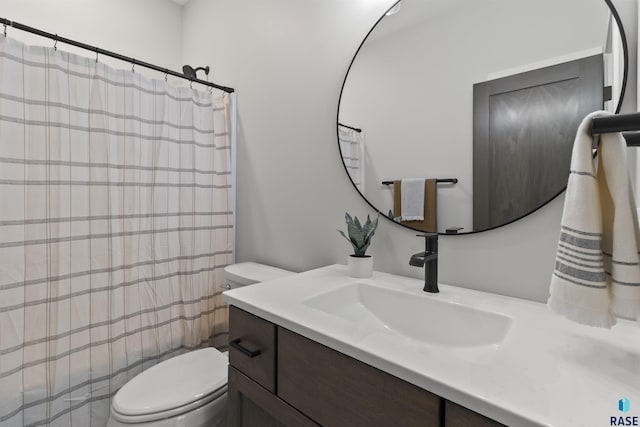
[170, 388]
[137, 419]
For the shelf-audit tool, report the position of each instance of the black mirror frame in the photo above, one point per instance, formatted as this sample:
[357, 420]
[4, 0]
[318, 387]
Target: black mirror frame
[625, 50]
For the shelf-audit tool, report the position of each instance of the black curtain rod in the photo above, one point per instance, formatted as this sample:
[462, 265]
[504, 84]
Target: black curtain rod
[619, 123]
[350, 127]
[104, 52]
[451, 180]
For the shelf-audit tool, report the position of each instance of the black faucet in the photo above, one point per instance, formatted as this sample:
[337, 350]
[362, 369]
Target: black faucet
[429, 260]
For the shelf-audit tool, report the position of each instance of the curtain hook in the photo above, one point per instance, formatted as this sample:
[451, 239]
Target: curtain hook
[133, 65]
[166, 77]
[191, 84]
[55, 44]
[5, 30]
[96, 55]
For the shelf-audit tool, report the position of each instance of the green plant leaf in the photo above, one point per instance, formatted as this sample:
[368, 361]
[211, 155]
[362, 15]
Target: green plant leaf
[367, 226]
[358, 235]
[363, 250]
[372, 228]
[348, 218]
[353, 244]
[344, 235]
[355, 233]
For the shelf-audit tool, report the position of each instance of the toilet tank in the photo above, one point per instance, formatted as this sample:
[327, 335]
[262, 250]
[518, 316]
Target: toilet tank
[248, 273]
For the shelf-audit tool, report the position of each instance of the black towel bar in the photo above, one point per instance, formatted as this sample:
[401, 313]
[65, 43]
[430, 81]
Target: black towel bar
[628, 124]
[451, 180]
[350, 127]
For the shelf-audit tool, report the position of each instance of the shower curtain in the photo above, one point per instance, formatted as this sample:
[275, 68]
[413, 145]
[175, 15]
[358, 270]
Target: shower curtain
[352, 149]
[115, 225]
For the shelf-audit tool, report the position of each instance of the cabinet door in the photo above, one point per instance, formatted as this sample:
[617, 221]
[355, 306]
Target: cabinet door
[251, 405]
[336, 390]
[458, 416]
[252, 347]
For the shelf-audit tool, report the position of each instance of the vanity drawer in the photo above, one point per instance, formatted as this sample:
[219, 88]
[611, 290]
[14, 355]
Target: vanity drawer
[252, 347]
[336, 390]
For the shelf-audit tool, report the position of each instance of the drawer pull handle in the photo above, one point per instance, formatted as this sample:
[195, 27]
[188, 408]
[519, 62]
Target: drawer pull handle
[242, 349]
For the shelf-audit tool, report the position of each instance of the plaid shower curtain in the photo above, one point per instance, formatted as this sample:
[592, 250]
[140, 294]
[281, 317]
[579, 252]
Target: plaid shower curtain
[115, 226]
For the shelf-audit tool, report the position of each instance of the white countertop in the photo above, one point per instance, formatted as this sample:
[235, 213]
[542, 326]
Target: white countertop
[548, 371]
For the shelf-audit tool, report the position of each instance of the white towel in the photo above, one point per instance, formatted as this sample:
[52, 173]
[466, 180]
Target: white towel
[585, 286]
[412, 199]
[620, 233]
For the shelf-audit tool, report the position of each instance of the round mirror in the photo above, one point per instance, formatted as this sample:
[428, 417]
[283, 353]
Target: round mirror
[459, 116]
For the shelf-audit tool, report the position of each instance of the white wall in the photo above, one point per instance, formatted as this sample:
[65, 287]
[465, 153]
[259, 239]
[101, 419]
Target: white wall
[148, 30]
[400, 85]
[287, 59]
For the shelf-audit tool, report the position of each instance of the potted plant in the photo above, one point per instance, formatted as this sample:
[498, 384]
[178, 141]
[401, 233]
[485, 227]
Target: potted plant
[359, 264]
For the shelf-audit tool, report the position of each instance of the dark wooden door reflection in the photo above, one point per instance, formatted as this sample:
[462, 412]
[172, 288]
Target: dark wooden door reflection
[529, 128]
[524, 127]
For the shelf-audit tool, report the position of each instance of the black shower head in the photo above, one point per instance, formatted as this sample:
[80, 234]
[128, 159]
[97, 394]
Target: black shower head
[189, 71]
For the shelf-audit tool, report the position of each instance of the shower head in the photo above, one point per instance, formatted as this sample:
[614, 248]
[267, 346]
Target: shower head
[189, 71]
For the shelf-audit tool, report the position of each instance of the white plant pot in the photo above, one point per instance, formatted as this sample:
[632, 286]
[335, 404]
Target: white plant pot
[360, 267]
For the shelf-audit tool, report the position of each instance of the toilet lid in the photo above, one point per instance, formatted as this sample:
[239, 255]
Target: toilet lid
[248, 273]
[175, 382]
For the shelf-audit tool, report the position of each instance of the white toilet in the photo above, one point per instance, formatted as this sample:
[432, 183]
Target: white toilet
[191, 389]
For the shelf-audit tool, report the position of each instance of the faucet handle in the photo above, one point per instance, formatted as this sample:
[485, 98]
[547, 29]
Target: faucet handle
[428, 235]
[431, 241]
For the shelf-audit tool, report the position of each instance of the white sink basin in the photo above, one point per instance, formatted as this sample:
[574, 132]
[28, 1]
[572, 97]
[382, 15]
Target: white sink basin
[421, 317]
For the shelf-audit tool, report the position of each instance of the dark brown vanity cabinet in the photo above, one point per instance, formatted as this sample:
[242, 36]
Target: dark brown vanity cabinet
[280, 378]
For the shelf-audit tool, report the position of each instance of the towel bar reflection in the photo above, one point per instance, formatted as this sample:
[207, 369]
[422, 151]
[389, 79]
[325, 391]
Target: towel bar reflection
[439, 180]
[350, 127]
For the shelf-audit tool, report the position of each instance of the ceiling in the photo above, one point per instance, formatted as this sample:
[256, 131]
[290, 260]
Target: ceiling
[180, 2]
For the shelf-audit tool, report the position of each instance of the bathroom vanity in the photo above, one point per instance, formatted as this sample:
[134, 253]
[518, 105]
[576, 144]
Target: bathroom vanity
[322, 348]
[320, 386]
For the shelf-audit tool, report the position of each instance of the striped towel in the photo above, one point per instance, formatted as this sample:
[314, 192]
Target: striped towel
[597, 275]
[620, 234]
